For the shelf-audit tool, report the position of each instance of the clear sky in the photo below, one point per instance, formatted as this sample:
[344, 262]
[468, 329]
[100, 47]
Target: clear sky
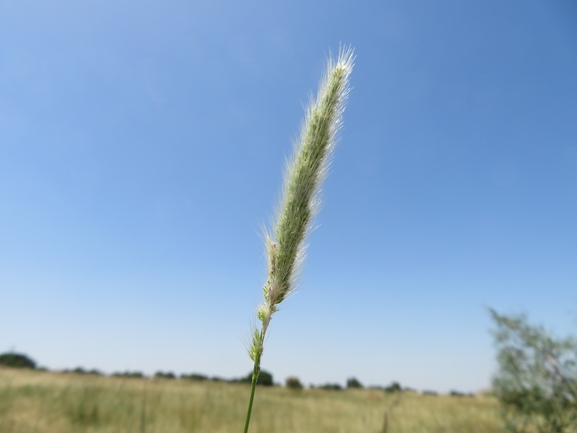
[141, 149]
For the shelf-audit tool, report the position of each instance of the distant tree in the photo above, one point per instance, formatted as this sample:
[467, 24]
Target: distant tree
[393, 387]
[194, 376]
[429, 392]
[80, 370]
[454, 393]
[330, 387]
[162, 375]
[353, 383]
[16, 360]
[536, 383]
[129, 374]
[264, 379]
[219, 379]
[293, 383]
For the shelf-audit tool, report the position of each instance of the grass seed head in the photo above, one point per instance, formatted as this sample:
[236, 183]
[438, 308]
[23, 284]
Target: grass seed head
[300, 201]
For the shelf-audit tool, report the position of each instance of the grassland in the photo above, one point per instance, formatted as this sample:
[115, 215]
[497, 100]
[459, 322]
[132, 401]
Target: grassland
[35, 401]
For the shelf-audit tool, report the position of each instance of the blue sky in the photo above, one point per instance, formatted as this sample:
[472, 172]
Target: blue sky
[141, 150]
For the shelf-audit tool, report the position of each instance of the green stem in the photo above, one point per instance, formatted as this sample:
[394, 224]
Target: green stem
[255, 373]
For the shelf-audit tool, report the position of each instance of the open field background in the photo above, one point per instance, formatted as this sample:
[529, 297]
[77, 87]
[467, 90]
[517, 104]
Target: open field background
[35, 401]
[141, 153]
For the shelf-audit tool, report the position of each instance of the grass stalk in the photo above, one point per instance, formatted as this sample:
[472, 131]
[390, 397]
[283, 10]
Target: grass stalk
[255, 374]
[300, 199]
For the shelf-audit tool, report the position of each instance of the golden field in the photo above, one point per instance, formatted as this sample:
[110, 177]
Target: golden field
[36, 401]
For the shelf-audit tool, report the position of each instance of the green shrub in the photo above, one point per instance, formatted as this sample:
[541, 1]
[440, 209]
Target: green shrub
[536, 383]
[16, 360]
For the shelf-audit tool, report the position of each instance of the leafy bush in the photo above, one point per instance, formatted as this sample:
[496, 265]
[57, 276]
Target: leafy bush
[353, 383]
[536, 383]
[17, 360]
[293, 383]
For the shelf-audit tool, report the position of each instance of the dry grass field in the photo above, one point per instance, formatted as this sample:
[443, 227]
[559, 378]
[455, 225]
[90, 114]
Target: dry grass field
[35, 401]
